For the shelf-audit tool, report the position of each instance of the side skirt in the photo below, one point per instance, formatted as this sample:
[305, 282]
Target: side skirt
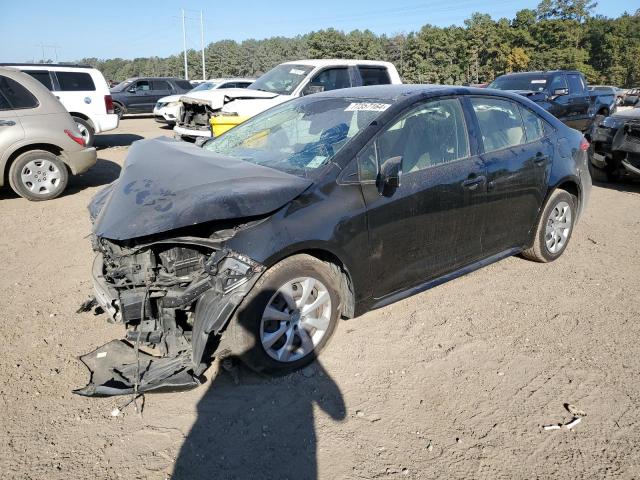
[394, 297]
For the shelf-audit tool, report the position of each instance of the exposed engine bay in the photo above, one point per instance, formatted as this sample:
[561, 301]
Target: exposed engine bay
[172, 296]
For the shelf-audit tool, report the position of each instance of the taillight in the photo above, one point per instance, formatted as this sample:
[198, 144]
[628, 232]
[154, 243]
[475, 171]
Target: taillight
[584, 144]
[108, 103]
[78, 140]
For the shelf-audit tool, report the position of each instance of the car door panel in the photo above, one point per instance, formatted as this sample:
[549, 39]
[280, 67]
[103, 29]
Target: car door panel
[431, 223]
[517, 172]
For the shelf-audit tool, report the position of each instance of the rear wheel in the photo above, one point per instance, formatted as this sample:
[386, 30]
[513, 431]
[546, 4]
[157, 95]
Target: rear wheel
[86, 130]
[38, 175]
[554, 228]
[119, 109]
[288, 317]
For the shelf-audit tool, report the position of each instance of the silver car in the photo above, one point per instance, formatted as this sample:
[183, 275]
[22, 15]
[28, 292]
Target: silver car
[40, 144]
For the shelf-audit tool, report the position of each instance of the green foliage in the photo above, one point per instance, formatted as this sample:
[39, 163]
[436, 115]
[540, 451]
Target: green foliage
[559, 34]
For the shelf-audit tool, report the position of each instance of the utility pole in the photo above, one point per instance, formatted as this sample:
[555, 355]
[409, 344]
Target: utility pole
[184, 44]
[204, 75]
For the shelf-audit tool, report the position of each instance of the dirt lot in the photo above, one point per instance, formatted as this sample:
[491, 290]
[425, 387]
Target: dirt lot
[455, 382]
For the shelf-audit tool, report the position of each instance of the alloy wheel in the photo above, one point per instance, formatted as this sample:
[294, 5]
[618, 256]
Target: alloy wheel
[296, 319]
[558, 228]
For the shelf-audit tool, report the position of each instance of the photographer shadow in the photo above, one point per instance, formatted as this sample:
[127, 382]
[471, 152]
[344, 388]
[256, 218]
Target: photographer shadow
[261, 427]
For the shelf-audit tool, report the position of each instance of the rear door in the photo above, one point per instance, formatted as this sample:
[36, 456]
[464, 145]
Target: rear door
[431, 223]
[10, 127]
[77, 92]
[517, 155]
[160, 88]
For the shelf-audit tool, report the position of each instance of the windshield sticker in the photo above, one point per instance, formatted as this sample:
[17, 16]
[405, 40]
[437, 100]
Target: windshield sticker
[367, 107]
[295, 71]
[538, 81]
[316, 162]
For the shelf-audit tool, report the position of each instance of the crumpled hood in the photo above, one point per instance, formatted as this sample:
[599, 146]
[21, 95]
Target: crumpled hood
[218, 97]
[167, 184]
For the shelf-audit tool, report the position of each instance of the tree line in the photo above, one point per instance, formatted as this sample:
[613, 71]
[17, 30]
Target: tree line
[558, 34]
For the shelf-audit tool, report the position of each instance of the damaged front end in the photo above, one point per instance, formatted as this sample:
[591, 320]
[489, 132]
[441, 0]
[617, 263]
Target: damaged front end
[173, 296]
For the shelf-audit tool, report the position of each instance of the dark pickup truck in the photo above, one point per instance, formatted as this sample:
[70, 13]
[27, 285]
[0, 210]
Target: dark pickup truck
[563, 93]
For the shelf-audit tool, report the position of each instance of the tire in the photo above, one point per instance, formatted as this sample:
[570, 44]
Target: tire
[544, 249]
[38, 175]
[86, 130]
[251, 331]
[119, 110]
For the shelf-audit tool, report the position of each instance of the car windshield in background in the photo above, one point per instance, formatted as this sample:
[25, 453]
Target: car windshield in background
[282, 79]
[300, 136]
[121, 86]
[533, 83]
[204, 86]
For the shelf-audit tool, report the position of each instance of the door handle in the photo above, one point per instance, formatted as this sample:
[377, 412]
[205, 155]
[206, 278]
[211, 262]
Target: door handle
[472, 183]
[540, 159]
[7, 123]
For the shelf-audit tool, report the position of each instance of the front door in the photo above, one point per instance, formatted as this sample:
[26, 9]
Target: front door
[518, 159]
[431, 223]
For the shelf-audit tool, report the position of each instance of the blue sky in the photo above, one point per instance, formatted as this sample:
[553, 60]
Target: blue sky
[139, 29]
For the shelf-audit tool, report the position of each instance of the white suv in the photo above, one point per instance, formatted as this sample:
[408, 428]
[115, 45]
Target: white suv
[82, 90]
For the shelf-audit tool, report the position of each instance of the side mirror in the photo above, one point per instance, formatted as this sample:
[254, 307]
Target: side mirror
[389, 177]
[558, 92]
[311, 89]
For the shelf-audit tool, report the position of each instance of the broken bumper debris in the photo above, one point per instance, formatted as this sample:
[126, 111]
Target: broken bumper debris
[172, 296]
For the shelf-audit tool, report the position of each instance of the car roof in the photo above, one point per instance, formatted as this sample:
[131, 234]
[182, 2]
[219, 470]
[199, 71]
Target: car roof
[336, 61]
[46, 65]
[230, 79]
[538, 72]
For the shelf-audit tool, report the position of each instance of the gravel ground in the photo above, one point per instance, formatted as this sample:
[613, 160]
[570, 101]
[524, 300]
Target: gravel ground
[454, 382]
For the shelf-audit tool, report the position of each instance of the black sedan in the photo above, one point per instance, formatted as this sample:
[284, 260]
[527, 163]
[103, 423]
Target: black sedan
[318, 209]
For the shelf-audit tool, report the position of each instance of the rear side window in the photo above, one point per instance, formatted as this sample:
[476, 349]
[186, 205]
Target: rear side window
[75, 82]
[161, 85]
[500, 123]
[42, 76]
[16, 95]
[533, 126]
[374, 76]
[184, 84]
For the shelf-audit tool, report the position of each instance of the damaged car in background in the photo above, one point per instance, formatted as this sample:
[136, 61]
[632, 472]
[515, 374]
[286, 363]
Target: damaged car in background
[615, 145]
[256, 244]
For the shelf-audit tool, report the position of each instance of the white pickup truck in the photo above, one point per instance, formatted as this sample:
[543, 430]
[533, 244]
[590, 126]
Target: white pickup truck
[280, 84]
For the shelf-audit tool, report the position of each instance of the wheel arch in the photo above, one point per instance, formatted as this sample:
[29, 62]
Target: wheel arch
[326, 254]
[84, 117]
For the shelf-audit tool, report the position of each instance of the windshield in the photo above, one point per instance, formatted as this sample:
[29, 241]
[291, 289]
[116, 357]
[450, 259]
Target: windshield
[204, 86]
[282, 79]
[299, 136]
[534, 83]
[122, 85]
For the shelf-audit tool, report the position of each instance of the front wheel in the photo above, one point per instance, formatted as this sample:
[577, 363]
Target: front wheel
[288, 317]
[554, 228]
[119, 110]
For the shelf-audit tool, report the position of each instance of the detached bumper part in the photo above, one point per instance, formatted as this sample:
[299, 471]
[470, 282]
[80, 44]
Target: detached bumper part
[113, 368]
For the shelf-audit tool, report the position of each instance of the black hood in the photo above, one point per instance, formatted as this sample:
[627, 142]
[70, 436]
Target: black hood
[167, 184]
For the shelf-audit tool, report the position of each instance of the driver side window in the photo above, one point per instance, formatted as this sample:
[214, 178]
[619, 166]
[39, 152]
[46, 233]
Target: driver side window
[143, 86]
[429, 135]
[332, 79]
